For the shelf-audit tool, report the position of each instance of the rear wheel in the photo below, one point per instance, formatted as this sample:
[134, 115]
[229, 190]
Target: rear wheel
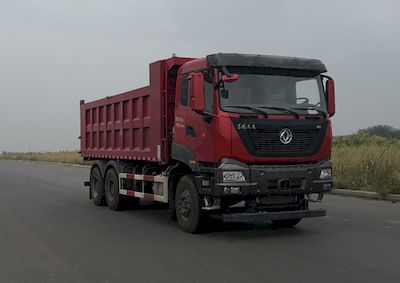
[287, 223]
[114, 200]
[188, 206]
[97, 187]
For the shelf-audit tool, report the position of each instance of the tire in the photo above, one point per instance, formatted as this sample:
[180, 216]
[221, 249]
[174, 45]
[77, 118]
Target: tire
[188, 206]
[97, 187]
[287, 223]
[111, 187]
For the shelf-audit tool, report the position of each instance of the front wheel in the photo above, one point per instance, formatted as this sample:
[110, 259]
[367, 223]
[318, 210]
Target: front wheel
[188, 206]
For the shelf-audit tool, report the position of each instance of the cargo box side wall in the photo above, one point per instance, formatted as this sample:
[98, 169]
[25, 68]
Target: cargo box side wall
[126, 126]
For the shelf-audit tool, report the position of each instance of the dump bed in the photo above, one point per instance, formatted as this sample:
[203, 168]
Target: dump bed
[134, 125]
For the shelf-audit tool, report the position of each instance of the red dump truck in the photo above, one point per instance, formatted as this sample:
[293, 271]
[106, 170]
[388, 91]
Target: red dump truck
[238, 137]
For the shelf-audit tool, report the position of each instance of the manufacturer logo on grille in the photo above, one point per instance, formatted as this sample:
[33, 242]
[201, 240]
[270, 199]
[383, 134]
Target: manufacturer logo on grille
[285, 136]
[241, 126]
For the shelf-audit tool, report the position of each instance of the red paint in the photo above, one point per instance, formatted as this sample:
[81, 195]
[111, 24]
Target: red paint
[133, 125]
[148, 196]
[230, 79]
[148, 178]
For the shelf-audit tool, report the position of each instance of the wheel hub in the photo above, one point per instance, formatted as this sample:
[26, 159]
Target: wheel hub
[95, 190]
[185, 206]
[111, 191]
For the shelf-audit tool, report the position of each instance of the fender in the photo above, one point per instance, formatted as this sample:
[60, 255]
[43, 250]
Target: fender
[185, 155]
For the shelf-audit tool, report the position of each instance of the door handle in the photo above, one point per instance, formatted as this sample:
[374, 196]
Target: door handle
[190, 131]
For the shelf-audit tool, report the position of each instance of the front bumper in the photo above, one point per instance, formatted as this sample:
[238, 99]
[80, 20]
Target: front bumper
[268, 216]
[270, 180]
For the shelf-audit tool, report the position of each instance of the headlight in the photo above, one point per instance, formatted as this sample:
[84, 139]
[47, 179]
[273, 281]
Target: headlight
[326, 173]
[233, 176]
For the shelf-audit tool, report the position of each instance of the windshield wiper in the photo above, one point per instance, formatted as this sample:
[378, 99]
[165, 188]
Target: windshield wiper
[283, 109]
[311, 107]
[254, 109]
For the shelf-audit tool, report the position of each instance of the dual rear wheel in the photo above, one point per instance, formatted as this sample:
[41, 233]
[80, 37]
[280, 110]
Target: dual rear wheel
[187, 201]
[97, 187]
[106, 190]
[114, 200]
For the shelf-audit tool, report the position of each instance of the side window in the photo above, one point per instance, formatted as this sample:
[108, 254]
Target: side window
[308, 89]
[183, 96]
[209, 92]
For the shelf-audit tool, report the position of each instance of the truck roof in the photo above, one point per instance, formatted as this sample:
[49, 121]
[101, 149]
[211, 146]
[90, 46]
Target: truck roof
[312, 66]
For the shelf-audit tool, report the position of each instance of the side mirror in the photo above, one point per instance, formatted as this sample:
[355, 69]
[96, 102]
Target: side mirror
[230, 79]
[197, 92]
[330, 94]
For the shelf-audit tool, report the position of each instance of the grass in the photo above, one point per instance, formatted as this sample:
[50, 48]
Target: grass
[68, 157]
[370, 163]
[360, 162]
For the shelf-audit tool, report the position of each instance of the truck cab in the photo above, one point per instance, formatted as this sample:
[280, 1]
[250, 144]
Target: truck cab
[241, 138]
[255, 129]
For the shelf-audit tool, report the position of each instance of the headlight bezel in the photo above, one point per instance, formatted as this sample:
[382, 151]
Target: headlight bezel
[325, 174]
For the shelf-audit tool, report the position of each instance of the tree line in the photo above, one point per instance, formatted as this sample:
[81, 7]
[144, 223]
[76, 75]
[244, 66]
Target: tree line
[382, 131]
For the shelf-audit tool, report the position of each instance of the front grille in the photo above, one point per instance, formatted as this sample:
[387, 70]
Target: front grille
[267, 141]
[261, 136]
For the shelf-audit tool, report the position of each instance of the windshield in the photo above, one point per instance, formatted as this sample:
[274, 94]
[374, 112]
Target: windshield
[257, 88]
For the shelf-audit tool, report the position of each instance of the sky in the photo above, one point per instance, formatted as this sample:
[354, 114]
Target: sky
[54, 53]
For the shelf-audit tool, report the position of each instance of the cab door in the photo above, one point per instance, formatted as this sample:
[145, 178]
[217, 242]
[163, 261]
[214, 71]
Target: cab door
[181, 109]
[200, 128]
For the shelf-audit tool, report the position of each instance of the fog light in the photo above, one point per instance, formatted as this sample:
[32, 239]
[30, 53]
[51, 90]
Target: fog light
[235, 190]
[232, 190]
[326, 173]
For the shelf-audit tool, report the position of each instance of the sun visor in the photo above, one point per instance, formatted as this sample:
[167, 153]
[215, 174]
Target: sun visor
[278, 63]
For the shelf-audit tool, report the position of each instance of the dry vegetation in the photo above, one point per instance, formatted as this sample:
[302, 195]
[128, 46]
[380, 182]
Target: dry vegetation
[361, 162]
[68, 157]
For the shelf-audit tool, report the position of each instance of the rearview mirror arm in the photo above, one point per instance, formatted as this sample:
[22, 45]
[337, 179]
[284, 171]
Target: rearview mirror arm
[224, 72]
